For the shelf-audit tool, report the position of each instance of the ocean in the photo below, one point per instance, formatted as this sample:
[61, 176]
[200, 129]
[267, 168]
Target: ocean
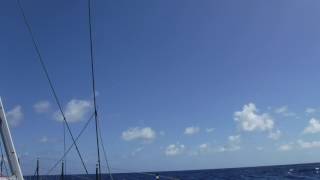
[297, 171]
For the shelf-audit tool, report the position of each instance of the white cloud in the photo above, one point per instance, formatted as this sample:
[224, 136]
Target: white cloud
[307, 145]
[285, 147]
[284, 111]
[15, 116]
[250, 120]
[75, 111]
[313, 127]
[42, 106]
[204, 146]
[259, 148]
[135, 133]
[209, 130]
[300, 143]
[228, 148]
[234, 139]
[191, 130]
[310, 110]
[275, 135]
[174, 149]
[232, 145]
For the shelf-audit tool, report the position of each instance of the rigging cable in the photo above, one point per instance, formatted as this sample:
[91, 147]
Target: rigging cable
[64, 148]
[105, 154]
[3, 162]
[94, 97]
[70, 147]
[50, 83]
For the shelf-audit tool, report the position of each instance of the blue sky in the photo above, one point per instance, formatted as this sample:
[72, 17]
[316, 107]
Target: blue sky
[181, 84]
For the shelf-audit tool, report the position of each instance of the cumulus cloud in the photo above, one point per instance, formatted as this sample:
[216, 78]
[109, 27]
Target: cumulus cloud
[191, 130]
[76, 110]
[174, 149]
[313, 126]
[15, 116]
[234, 139]
[228, 148]
[204, 146]
[250, 120]
[209, 130]
[135, 133]
[42, 106]
[300, 144]
[284, 111]
[285, 147]
[307, 145]
[310, 110]
[203, 149]
[275, 135]
[232, 145]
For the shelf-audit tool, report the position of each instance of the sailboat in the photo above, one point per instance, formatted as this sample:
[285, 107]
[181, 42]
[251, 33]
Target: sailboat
[14, 165]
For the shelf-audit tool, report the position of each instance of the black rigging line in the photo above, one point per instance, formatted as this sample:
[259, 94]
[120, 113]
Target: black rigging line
[94, 89]
[35, 173]
[50, 82]
[64, 147]
[70, 147]
[3, 162]
[105, 154]
[98, 130]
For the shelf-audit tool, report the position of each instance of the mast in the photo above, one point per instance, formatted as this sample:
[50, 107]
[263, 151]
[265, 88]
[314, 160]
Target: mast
[9, 146]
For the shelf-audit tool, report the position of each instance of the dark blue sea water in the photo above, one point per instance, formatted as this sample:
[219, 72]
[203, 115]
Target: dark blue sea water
[299, 171]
